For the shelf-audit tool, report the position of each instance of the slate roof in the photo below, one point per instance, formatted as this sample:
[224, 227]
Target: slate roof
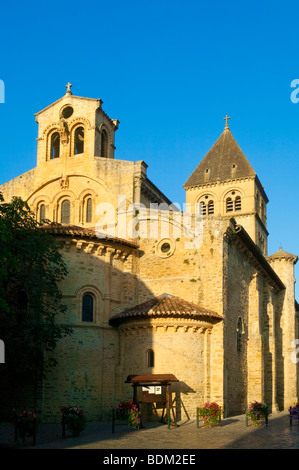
[165, 305]
[219, 161]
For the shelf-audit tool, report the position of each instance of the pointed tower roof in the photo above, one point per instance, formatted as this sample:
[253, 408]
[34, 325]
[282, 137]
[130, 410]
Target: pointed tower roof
[224, 161]
[281, 254]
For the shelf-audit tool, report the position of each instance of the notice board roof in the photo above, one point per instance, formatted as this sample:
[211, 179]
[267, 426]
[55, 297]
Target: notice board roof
[151, 378]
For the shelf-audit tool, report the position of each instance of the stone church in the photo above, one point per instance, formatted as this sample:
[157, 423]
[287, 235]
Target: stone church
[156, 289]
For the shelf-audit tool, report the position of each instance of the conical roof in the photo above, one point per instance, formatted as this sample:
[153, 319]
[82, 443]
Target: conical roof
[224, 161]
[281, 254]
[165, 305]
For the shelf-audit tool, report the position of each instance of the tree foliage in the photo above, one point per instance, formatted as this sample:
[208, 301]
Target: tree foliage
[31, 268]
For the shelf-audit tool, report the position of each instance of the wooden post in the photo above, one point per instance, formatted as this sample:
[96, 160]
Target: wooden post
[168, 405]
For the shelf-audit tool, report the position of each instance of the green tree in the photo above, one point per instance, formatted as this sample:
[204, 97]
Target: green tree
[31, 268]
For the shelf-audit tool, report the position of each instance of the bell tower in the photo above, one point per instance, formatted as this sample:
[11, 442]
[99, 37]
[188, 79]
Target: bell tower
[71, 129]
[224, 184]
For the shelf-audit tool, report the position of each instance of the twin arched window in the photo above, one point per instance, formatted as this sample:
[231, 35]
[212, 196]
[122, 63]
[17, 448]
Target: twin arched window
[233, 204]
[78, 143]
[206, 207]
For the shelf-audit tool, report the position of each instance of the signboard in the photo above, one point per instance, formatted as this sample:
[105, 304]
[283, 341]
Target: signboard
[153, 389]
[153, 394]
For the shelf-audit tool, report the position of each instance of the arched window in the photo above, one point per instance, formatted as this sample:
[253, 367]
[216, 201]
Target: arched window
[239, 334]
[211, 207]
[55, 145]
[87, 308]
[202, 208]
[65, 211]
[229, 205]
[238, 205]
[104, 144]
[88, 210]
[79, 140]
[150, 358]
[42, 213]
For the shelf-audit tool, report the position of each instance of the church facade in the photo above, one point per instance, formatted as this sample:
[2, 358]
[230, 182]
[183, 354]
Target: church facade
[153, 289]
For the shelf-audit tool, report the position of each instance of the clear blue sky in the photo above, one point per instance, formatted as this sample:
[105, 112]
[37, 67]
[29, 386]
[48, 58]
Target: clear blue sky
[169, 71]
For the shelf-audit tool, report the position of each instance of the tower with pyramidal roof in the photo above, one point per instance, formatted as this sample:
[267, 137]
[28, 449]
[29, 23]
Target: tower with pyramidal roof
[225, 184]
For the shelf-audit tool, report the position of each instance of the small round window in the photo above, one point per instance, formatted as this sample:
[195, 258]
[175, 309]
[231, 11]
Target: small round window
[67, 112]
[165, 247]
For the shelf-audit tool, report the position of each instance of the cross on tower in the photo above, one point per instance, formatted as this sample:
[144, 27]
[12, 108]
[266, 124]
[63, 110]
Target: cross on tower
[68, 88]
[226, 124]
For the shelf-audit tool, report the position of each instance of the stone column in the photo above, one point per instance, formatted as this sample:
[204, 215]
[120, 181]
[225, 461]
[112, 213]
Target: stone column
[207, 363]
[272, 349]
[254, 346]
[283, 264]
[107, 295]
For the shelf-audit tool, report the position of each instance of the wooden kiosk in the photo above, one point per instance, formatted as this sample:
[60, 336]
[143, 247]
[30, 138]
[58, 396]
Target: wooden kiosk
[155, 389]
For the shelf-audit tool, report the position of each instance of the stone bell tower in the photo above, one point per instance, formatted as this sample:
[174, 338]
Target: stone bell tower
[224, 184]
[71, 132]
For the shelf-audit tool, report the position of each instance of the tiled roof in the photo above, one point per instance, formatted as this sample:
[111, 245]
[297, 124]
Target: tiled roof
[165, 305]
[75, 230]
